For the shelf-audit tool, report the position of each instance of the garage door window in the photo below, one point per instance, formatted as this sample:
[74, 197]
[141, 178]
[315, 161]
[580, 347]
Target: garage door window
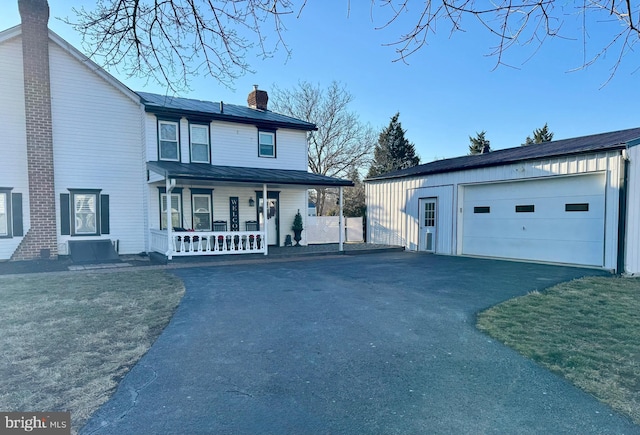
[525, 208]
[576, 207]
[481, 210]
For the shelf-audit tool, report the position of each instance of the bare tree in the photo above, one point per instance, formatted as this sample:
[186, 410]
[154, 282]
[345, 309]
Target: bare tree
[172, 40]
[342, 141]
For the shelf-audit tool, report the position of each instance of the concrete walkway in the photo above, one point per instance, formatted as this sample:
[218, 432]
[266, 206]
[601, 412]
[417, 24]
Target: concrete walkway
[370, 344]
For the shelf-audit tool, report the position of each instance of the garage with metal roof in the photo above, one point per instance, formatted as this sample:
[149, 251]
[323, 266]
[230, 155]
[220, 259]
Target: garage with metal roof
[572, 201]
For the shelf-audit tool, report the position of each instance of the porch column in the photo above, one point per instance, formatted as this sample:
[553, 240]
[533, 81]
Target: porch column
[170, 184]
[341, 219]
[264, 219]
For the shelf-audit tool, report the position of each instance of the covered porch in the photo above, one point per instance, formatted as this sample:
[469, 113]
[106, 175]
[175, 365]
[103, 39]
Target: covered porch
[224, 210]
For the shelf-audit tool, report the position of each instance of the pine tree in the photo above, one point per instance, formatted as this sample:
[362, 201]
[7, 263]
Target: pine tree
[540, 135]
[354, 198]
[393, 151]
[479, 144]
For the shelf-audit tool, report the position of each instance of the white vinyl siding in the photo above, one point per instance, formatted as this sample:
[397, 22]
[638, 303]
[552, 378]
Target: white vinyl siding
[168, 141]
[13, 156]
[235, 145]
[199, 137]
[98, 135]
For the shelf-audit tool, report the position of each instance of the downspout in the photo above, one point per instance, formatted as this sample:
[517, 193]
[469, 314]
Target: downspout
[170, 184]
[264, 219]
[341, 224]
[622, 211]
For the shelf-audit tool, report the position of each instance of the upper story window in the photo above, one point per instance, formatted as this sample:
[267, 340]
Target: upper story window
[168, 143]
[266, 143]
[200, 143]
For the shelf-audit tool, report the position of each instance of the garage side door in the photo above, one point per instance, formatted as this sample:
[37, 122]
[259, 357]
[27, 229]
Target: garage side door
[558, 220]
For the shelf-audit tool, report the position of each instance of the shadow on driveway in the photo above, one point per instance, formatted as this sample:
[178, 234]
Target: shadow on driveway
[383, 343]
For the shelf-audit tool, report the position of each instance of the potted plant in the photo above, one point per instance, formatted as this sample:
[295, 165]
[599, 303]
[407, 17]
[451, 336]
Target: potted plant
[297, 228]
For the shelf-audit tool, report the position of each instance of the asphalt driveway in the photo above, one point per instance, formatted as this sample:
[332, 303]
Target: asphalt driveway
[369, 344]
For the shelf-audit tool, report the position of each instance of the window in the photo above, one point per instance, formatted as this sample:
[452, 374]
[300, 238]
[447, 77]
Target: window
[478, 210]
[525, 208]
[576, 207]
[430, 214]
[168, 140]
[176, 210]
[200, 143]
[5, 213]
[267, 144]
[85, 213]
[201, 205]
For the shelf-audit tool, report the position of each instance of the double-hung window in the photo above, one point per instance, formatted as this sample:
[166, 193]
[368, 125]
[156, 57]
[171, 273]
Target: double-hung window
[176, 210]
[5, 213]
[201, 208]
[266, 143]
[85, 218]
[200, 143]
[168, 143]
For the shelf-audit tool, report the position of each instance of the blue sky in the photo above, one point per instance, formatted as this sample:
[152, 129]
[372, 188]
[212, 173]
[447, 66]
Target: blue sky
[447, 92]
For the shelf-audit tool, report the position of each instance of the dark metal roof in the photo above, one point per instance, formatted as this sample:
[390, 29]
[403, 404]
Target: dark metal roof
[235, 174]
[209, 110]
[557, 148]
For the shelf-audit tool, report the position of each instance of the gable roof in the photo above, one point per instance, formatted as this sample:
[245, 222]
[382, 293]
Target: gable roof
[16, 31]
[209, 110]
[236, 174]
[580, 145]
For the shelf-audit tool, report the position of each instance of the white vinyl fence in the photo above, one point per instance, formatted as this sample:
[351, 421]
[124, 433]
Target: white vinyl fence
[326, 229]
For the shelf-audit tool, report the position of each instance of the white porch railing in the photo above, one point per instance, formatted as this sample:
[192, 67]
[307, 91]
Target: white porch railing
[186, 243]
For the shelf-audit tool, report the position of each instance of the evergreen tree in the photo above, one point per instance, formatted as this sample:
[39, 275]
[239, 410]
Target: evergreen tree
[479, 144]
[393, 150]
[540, 135]
[354, 198]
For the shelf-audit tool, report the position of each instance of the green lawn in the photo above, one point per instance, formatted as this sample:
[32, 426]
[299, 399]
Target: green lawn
[588, 330]
[68, 339]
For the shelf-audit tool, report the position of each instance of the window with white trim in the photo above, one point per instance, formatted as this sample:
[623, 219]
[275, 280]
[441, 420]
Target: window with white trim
[168, 143]
[176, 210]
[201, 212]
[199, 143]
[5, 199]
[266, 144]
[85, 213]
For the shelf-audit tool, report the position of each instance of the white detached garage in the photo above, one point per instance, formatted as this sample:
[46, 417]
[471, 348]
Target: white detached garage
[566, 201]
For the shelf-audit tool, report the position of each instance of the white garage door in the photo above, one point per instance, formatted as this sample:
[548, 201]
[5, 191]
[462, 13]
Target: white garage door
[558, 220]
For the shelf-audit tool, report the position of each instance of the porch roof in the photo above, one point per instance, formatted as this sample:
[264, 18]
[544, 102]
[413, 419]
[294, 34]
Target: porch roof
[236, 174]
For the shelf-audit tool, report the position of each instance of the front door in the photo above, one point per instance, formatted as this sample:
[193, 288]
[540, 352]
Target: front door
[428, 224]
[273, 214]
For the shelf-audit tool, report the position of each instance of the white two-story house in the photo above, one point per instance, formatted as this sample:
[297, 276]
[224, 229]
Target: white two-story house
[84, 160]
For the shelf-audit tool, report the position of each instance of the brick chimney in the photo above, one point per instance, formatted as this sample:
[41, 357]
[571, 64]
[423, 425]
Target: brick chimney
[258, 99]
[41, 240]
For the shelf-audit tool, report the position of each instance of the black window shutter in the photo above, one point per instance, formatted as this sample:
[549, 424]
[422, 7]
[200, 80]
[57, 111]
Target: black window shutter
[65, 220]
[104, 214]
[16, 211]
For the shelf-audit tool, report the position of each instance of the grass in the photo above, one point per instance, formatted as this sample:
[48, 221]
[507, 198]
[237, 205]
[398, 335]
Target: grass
[588, 330]
[67, 340]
